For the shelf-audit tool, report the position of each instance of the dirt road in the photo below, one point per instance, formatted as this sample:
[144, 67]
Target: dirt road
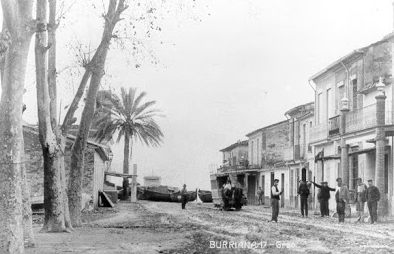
[159, 227]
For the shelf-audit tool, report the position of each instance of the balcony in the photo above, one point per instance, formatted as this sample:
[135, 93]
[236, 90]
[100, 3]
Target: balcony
[230, 169]
[365, 118]
[356, 120]
[333, 125]
[361, 119]
[318, 132]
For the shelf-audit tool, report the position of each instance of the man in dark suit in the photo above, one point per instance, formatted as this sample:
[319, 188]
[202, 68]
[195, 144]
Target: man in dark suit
[303, 191]
[184, 196]
[324, 197]
[373, 196]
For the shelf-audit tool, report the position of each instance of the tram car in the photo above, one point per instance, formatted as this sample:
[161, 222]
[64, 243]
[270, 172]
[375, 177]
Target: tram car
[226, 198]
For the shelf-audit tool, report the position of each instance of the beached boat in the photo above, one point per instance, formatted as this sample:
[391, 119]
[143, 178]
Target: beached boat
[205, 196]
[157, 195]
[191, 196]
[141, 192]
[175, 196]
[161, 193]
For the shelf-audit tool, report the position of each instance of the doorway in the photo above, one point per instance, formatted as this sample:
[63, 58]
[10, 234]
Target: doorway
[263, 187]
[282, 197]
[303, 174]
[252, 189]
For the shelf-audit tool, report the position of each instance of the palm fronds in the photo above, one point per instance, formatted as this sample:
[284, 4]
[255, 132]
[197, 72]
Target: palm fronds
[127, 114]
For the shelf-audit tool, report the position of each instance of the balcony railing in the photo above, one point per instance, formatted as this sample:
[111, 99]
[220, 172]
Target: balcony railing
[356, 120]
[365, 118]
[333, 125]
[228, 169]
[360, 119]
[318, 132]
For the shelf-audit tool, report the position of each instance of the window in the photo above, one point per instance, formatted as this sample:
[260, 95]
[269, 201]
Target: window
[320, 108]
[303, 145]
[354, 90]
[329, 111]
[251, 153]
[340, 95]
[258, 151]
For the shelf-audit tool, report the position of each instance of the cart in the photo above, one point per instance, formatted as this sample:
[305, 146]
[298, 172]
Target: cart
[226, 199]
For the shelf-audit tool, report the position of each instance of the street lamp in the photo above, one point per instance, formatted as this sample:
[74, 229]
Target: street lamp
[380, 86]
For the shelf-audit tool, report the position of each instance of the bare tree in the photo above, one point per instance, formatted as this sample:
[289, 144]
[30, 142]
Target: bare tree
[94, 72]
[96, 67]
[18, 21]
[55, 219]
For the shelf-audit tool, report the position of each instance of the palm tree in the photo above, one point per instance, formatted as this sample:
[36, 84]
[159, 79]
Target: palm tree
[131, 119]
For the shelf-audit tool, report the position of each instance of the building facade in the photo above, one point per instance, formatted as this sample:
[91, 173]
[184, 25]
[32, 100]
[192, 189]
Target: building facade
[353, 131]
[299, 158]
[274, 138]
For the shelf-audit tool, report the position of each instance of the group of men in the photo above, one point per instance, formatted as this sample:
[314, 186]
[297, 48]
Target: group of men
[365, 194]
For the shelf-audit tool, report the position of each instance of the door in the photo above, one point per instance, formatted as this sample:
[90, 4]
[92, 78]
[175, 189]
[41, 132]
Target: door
[297, 177]
[293, 197]
[303, 177]
[252, 189]
[386, 173]
[263, 187]
[272, 183]
[282, 197]
[353, 181]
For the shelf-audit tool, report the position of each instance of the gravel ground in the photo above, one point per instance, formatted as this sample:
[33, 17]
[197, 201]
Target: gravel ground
[159, 227]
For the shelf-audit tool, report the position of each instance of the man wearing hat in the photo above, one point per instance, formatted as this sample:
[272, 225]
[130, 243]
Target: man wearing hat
[275, 197]
[183, 196]
[323, 198]
[373, 196]
[341, 197]
[303, 191]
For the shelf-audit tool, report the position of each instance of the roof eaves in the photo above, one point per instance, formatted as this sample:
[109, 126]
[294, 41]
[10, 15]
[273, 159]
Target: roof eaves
[390, 36]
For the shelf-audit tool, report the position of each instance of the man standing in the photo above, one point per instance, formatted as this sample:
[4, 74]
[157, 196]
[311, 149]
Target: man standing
[323, 197]
[260, 194]
[341, 197]
[184, 196]
[275, 197]
[125, 186]
[373, 196]
[360, 198]
[303, 191]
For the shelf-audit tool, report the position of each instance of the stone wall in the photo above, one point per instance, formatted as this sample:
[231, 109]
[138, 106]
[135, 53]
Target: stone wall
[277, 138]
[35, 166]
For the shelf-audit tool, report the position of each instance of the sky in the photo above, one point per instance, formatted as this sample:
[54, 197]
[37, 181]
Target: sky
[240, 68]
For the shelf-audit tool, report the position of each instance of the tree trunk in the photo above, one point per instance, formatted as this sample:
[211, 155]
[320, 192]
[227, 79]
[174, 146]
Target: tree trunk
[53, 194]
[52, 84]
[28, 235]
[17, 17]
[67, 219]
[78, 152]
[126, 163]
